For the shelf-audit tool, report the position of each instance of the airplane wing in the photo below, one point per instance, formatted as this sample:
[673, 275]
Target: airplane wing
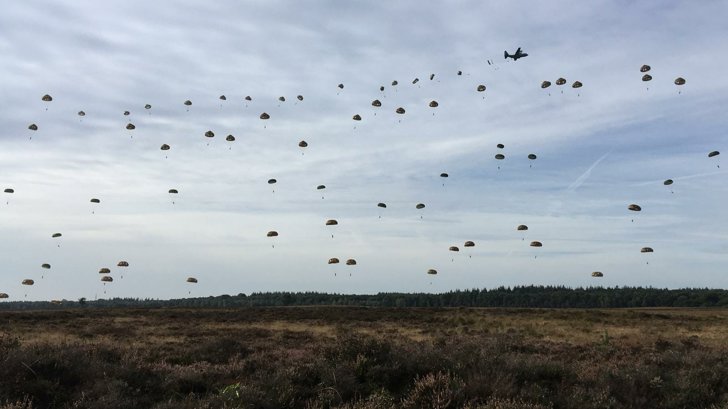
[518, 51]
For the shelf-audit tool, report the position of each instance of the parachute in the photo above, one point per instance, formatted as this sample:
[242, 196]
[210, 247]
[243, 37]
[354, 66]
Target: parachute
[56, 235]
[122, 264]
[127, 113]
[46, 266]
[532, 156]
[434, 104]
[188, 102]
[351, 262]
[714, 153]
[444, 175]
[9, 191]
[469, 244]
[81, 113]
[376, 103]
[561, 81]
[302, 144]
[460, 73]
[500, 146]
[341, 86]
[500, 156]
[33, 127]
[481, 88]
[173, 191]
[272, 181]
[248, 98]
[536, 244]
[420, 206]
[668, 182]
[147, 106]
[356, 117]
[634, 207]
[645, 68]
[384, 206]
[331, 222]
[107, 279]
[597, 274]
[165, 147]
[130, 126]
[432, 271]
[191, 280]
[210, 134]
[334, 260]
[264, 116]
[400, 110]
[27, 281]
[545, 84]
[415, 81]
[282, 99]
[4, 295]
[394, 83]
[95, 200]
[300, 97]
[432, 77]
[272, 233]
[522, 227]
[679, 81]
[576, 84]
[647, 250]
[381, 88]
[47, 98]
[319, 187]
[454, 248]
[104, 270]
[223, 98]
[230, 138]
[647, 77]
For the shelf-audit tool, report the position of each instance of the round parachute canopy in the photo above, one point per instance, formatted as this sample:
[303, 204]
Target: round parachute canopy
[415, 81]
[188, 102]
[173, 191]
[434, 104]
[381, 88]
[532, 156]
[561, 81]
[351, 262]
[56, 235]
[545, 84]
[127, 113]
[264, 115]
[272, 181]
[95, 200]
[248, 98]
[645, 68]
[597, 274]
[122, 264]
[679, 81]
[341, 86]
[647, 77]
[576, 84]
[230, 138]
[104, 270]
[319, 187]
[356, 117]
[668, 182]
[210, 134]
[272, 233]
[394, 83]
[331, 222]
[334, 260]
[282, 99]
[646, 250]
[454, 248]
[460, 73]
[420, 206]
[536, 244]
[223, 98]
[9, 190]
[147, 106]
[500, 146]
[81, 113]
[303, 144]
[500, 156]
[47, 98]
[46, 266]
[481, 88]
[400, 110]
[522, 227]
[165, 147]
[191, 280]
[714, 153]
[107, 279]
[33, 127]
[130, 126]
[300, 97]
[376, 103]
[444, 175]
[634, 207]
[28, 281]
[432, 271]
[382, 205]
[432, 77]
[4, 295]
[469, 244]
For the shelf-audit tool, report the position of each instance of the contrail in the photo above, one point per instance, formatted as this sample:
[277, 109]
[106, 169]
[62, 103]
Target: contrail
[584, 176]
[686, 177]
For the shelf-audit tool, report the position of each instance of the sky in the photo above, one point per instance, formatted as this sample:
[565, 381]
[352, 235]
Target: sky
[600, 148]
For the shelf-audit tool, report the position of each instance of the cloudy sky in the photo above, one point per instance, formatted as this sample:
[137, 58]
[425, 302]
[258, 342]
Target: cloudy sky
[600, 148]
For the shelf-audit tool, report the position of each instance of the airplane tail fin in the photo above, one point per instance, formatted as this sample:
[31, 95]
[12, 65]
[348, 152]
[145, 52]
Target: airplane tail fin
[505, 54]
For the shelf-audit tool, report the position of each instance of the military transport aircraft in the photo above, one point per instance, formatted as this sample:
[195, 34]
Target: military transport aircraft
[518, 54]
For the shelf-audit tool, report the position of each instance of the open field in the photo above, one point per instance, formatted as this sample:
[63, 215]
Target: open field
[351, 357]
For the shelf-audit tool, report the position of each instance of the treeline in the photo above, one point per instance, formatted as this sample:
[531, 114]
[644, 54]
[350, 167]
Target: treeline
[519, 297]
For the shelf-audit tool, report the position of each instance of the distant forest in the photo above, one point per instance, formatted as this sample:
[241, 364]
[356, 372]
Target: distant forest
[518, 297]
